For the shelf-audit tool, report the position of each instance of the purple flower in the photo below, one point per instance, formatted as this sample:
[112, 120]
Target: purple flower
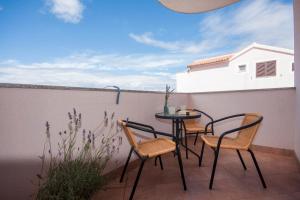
[112, 115]
[70, 116]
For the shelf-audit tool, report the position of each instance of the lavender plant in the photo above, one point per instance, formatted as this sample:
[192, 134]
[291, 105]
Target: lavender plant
[76, 170]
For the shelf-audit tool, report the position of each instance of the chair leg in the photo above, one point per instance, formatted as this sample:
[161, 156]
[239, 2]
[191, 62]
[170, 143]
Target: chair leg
[201, 155]
[195, 141]
[126, 165]
[241, 158]
[257, 168]
[160, 162]
[181, 167]
[214, 168]
[186, 147]
[137, 179]
[155, 161]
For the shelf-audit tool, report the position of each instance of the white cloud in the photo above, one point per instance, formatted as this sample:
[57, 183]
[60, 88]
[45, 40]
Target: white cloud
[108, 62]
[83, 78]
[264, 21]
[173, 46]
[68, 10]
[137, 71]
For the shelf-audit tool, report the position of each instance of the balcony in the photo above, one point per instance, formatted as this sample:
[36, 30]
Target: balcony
[26, 108]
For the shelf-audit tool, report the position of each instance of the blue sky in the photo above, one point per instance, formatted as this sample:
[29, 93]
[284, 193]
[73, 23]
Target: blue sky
[136, 44]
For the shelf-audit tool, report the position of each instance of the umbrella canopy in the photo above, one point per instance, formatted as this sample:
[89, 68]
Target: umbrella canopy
[195, 6]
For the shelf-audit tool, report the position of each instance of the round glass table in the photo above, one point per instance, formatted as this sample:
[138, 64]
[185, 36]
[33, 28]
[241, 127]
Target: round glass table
[177, 118]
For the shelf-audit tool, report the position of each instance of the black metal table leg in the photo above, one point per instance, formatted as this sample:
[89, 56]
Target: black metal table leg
[186, 149]
[179, 155]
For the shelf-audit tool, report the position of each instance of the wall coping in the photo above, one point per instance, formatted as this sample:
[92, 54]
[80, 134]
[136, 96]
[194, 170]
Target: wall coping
[51, 87]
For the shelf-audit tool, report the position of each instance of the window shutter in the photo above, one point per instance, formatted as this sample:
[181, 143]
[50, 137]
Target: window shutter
[260, 69]
[266, 68]
[271, 68]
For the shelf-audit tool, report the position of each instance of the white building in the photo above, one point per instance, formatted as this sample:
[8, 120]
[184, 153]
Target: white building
[255, 67]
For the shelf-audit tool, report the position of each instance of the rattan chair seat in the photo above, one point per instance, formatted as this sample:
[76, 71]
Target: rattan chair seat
[227, 143]
[155, 147]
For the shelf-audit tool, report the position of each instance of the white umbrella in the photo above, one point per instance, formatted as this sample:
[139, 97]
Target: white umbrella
[195, 6]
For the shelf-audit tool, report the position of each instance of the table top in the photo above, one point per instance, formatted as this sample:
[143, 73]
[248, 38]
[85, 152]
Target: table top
[179, 115]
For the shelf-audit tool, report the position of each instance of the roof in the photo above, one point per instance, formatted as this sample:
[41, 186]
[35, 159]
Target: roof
[263, 47]
[212, 60]
[229, 57]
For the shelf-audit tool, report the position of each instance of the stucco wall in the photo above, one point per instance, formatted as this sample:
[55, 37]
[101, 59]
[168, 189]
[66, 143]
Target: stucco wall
[227, 76]
[277, 107]
[297, 73]
[23, 113]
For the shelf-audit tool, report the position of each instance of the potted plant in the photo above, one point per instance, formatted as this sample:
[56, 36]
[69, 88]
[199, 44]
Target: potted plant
[167, 95]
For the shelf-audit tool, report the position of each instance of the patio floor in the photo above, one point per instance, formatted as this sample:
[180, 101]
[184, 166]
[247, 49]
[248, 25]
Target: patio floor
[281, 172]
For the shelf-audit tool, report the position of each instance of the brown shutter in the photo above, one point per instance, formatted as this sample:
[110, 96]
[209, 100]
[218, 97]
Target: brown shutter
[266, 68]
[271, 68]
[260, 69]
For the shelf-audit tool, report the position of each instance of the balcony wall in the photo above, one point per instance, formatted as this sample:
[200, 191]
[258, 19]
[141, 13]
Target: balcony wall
[24, 111]
[276, 105]
[297, 73]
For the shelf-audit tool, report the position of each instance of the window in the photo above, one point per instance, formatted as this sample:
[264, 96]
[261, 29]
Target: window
[293, 67]
[242, 68]
[264, 69]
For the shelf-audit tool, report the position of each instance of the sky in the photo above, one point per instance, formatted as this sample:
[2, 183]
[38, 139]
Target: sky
[134, 44]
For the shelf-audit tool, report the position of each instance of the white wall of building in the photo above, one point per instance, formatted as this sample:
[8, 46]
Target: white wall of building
[227, 77]
[297, 74]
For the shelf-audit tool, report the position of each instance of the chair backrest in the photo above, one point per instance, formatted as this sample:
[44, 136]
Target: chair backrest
[129, 133]
[246, 136]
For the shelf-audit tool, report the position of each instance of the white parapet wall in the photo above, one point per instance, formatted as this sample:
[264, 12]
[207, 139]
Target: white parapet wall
[24, 112]
[277, 106]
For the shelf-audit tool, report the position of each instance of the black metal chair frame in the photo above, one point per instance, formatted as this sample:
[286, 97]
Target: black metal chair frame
[217, 149]
[185, 144]
[148, 129]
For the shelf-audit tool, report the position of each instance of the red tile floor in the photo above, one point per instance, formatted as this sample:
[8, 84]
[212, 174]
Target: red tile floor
[281, 173]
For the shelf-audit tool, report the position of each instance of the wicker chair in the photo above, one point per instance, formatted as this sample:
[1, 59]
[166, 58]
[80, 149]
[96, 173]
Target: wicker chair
[194, 127]
[243, 140]
[152, 148]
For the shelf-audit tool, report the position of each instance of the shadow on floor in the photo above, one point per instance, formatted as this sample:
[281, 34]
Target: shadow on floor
[16, 177]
